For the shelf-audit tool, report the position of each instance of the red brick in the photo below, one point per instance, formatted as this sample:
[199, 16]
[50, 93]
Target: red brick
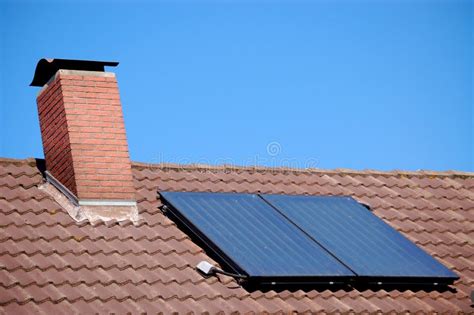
[70, 77]
[105, 171]
[80, 83]
[93, 78]
[103, 101]
[84, 138]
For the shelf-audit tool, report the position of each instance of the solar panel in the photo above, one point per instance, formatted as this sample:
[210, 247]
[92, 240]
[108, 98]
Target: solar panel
[362, 241]
[252, 238]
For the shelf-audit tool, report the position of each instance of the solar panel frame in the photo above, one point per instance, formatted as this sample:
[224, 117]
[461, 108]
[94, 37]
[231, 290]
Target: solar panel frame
[444, 276]
[233, 264]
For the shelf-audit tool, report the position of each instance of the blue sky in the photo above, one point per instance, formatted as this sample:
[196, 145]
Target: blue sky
[328, 84]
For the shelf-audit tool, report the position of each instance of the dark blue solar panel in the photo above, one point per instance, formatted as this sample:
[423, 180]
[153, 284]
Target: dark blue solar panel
[256, 237]
[361, 240]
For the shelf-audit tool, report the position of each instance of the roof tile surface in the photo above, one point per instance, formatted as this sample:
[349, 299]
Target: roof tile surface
[51, 264]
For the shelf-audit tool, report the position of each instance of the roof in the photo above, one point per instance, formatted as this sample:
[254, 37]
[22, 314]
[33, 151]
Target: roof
[50, 263]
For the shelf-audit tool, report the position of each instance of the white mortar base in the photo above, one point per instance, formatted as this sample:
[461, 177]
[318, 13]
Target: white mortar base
[92, 214]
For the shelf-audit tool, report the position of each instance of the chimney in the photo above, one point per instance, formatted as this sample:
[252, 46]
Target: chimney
[83, 132]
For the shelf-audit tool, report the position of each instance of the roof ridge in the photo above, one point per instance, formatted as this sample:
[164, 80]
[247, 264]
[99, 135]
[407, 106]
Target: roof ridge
[279, 169]
[259, 168]
[29, 161]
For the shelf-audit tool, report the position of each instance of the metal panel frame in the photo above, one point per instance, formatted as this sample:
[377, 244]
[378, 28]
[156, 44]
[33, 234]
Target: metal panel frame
[227, 262]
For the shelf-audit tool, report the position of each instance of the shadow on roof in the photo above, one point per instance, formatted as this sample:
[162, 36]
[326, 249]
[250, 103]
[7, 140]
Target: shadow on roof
[349, 287]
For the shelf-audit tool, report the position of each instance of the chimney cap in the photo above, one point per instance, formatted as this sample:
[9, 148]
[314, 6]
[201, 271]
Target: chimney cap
[46, 68]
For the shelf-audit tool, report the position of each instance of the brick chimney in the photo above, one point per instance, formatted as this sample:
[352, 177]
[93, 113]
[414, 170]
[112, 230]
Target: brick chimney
[83, 132]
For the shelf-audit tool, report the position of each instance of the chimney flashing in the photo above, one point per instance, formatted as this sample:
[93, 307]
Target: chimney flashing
[63, 189]
[86, 202]
[101, 202]
[90, 213]
[91, 210]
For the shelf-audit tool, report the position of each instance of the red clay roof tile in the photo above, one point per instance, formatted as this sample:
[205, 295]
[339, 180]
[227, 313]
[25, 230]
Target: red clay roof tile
[51, 264]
